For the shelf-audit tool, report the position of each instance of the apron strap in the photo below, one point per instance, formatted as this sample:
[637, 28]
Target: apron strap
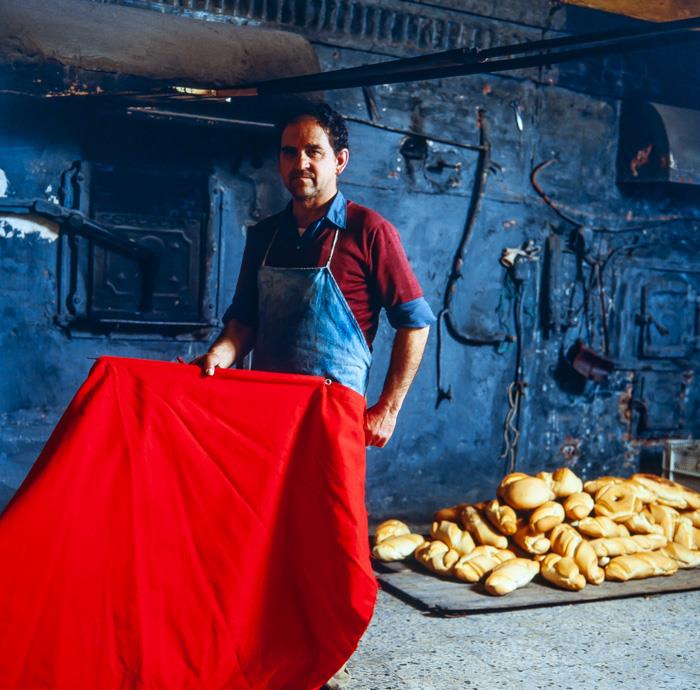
[267, 251]
[330, 256]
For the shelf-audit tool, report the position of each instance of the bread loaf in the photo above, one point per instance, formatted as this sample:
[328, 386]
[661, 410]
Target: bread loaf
[502, 517]
[452, 514]
[566, 541]
[640, 523]
[453, 536]
[390, 528]
[562, 572]
[482, 560]
[563, 482]
[667, 492]
[641, 491]
[686, 558]
[523, 492]
[437, 556]
[665, 516]
[397, 548]
[683, 533]
[601, 526]
[482, 532]
[693, 516]
[530, 541]
[640, 565]
[578, 505]
[547, 516]
[511, 575]
[616, 501]
[594, 485]
[696, 537]
[619, 546]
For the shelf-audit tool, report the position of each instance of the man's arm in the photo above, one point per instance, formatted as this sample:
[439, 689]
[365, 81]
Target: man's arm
[234, 342]
[406, 354]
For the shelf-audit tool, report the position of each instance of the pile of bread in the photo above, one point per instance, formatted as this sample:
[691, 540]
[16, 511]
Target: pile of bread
[553, 524]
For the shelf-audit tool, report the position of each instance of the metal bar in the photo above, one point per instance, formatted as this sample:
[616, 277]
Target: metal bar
[464, 61]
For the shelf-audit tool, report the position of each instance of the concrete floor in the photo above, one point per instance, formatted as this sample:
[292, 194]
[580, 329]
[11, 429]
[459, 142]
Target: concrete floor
[640, 643]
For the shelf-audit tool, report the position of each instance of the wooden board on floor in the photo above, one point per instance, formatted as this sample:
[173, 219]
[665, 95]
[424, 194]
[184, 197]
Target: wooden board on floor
[428, 592]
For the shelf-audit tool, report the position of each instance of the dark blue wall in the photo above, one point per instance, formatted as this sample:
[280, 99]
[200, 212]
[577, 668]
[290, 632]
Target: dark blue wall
[571, 113]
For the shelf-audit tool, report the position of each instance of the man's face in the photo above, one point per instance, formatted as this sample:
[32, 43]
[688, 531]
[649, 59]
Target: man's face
[308, 165]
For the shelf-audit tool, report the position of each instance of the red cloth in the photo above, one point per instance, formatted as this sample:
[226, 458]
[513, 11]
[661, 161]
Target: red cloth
[180, 533]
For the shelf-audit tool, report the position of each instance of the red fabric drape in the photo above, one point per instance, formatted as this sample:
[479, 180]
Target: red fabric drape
[181, 532]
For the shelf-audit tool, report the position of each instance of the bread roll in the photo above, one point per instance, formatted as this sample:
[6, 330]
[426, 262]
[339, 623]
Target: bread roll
[641, 491]
[511, 575]
[566, 541]
[665, 516]
[616, 501]
[482, 560]
[502, 517]
[547, 516]
[692, 498]
[640, 565]
[563, 482]
[696, 537]
[578, 505]
[397, 548]
[562, 572]
[620, 546]
[436, 556]
[640, 523]
[693, 516]
[530, 541]
[594, 485]
[683, 533]
[482, 532]
[686, 558]
[452, 514]
[601, 526]
[667, 492]
[524, 492]
[453, 536]
[388, 529]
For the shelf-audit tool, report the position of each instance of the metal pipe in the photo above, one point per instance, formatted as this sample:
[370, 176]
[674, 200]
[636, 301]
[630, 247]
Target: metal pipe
[464, 61]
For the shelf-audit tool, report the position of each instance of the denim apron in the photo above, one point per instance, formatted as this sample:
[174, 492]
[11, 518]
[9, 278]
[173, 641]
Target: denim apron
[306, 327]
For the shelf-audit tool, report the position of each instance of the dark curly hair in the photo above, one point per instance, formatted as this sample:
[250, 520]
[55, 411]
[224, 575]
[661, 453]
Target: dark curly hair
[331, 121]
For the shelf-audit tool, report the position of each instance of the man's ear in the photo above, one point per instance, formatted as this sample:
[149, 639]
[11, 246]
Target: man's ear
[341, 160]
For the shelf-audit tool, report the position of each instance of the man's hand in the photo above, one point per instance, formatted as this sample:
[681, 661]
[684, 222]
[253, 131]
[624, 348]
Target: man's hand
[234, 342]
[379, 425]
[209, 361]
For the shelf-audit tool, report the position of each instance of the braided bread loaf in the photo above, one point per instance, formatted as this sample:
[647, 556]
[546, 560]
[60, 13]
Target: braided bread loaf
[397, 548]
[578, 505]
[482, 560]
[437, 556]
[502, 517]
[482, 530]
[511, 575]
[455, 538]
[640, 565]
[562, 571]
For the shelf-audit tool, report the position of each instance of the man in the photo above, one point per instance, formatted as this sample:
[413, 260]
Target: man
[315, 277]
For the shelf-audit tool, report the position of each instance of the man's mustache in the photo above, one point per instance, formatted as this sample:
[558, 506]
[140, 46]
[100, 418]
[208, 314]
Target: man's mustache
[295, 175]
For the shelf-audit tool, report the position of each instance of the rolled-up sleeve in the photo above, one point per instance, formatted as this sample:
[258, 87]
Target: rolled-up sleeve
[413, 314]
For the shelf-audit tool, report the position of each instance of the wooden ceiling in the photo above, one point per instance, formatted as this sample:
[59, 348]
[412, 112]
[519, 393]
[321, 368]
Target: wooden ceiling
[650, 10]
